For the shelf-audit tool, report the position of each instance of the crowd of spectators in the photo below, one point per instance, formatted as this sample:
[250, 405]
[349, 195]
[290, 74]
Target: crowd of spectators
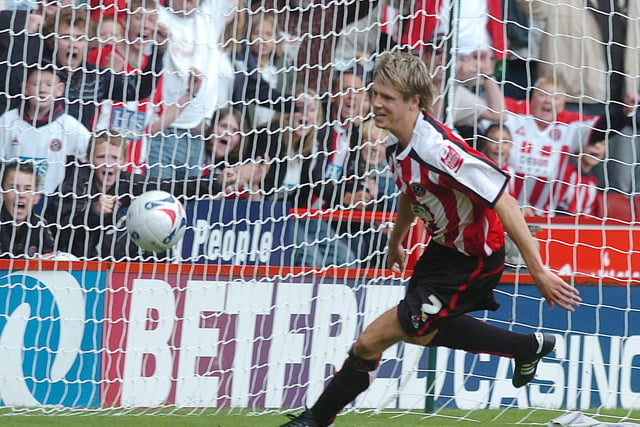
[232, 100]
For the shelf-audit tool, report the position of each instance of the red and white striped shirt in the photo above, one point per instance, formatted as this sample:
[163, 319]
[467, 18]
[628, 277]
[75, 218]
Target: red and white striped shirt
[451, 186]
[539, 158]
[577, 190]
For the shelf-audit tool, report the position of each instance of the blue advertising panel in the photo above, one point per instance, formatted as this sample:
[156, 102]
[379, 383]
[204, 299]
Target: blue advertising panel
[51, 337]
[237, 232]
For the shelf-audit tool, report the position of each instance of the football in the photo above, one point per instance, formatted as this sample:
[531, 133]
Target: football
[156, 221]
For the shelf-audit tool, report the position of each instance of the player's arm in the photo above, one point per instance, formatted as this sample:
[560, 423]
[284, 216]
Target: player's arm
[551, 286]
[404, 219]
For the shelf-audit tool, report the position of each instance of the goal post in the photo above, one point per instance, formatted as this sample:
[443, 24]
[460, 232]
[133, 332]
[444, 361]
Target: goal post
[233, 317]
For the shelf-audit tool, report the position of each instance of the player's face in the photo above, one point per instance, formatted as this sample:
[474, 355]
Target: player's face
[108, 162]
[41, 89]
[348, 102]
[498, 147]
[141, 26]
[391, 111]
[546, 103]
[72, 46]
[226, 138]
[20, 194]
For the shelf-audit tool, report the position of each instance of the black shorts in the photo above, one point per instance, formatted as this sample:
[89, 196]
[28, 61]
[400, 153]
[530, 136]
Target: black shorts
[446, 283]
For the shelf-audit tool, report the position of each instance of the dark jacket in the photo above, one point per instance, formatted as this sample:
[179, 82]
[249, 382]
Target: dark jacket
[82, 231]
[24, 241]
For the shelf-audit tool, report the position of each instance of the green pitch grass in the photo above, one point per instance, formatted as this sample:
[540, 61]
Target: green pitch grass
[224, 418]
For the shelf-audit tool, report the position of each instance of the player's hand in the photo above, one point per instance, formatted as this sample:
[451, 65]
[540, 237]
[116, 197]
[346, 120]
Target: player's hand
[395, 260]
[105, 204]
[557, 291]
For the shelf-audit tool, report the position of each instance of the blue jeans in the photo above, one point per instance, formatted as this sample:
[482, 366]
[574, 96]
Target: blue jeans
[176, 154]
[318, 245]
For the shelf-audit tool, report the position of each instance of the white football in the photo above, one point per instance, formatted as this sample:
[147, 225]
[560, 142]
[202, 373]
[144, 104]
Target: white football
[156, 221]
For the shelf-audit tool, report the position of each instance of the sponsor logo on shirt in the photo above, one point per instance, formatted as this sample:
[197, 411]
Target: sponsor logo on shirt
[451, 158]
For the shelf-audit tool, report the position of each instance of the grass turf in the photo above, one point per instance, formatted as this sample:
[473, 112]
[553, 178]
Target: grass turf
[224, 418]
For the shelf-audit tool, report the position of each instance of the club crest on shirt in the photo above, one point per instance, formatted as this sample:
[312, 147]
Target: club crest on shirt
[417, 188]
[55, 145]
[555, 134]
[451, 158]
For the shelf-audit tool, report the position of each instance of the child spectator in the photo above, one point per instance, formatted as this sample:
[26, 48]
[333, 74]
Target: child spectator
[129, 118]
[90, 210]
[23, 234]
[261, 62]
[108, 34]
[224, 148]
[373, 163]
[40, 131]
[193, 47]
[370, 187]
[496, 143]
[86, 84]
[577, 187]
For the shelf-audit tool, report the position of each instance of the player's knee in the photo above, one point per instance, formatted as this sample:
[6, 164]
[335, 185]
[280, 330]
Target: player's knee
[365, 348]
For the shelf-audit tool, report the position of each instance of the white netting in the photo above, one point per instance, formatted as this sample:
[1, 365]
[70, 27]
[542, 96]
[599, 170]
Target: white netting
[258, 117]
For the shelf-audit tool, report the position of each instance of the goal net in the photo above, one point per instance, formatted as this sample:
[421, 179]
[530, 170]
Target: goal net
[258, 117]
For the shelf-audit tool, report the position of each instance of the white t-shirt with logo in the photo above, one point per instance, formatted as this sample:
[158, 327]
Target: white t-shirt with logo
[47, 146]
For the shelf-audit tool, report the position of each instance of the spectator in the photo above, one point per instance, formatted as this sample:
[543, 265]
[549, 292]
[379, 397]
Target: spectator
[107, 34]
[496, 143]
[23, 234]
[292, 144]
[239, 175]
[578, 186]
[129, 118]
[370, 187]
[373, 164]
[593, 48]
[261, 72]
[193, 48]
[86, 85]
[90, 210]
[468, 108]
[542, 145]
[40, 130]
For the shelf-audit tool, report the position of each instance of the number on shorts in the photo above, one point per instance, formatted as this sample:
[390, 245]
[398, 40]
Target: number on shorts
[432, 307]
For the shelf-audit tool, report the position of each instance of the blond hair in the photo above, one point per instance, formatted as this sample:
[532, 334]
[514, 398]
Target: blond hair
[111, 138]
[407, 74]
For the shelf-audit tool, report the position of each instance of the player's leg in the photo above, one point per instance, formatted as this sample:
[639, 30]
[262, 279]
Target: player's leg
[449, 284]
[353, 378]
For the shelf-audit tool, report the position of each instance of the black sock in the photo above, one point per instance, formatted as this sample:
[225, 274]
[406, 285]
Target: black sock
[345, 386]
[470, 334]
